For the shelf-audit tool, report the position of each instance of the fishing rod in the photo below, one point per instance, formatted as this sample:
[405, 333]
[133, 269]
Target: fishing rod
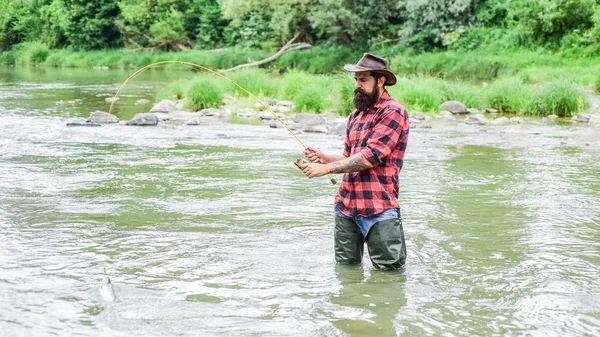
[196, 66]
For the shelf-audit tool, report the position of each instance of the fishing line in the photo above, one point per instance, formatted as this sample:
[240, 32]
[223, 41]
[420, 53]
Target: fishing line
[196, 66]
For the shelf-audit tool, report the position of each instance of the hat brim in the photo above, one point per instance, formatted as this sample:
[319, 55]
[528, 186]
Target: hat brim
[390, 78]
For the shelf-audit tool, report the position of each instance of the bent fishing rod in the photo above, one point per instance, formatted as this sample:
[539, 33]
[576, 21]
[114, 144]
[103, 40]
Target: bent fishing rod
[196, 66]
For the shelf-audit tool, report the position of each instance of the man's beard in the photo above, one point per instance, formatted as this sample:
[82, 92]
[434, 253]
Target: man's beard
[364, 101]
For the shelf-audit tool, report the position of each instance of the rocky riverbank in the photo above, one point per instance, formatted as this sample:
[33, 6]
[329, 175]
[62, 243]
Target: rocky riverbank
[172, 112]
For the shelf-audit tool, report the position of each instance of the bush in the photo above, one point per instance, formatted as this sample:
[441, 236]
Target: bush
[512, 95]
[38, 52]
[310, 98]
[257, 81]
[563, 98]
[205, 91]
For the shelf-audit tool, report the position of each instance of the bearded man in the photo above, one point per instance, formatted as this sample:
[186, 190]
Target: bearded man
[366, 205]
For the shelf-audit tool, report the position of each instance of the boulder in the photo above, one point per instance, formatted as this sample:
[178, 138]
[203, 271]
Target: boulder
[247, 113]
[417, 115]
[455, 107]
[166, 105]
[143, 119]
[500, 121]
[102, 117]
[476, 119]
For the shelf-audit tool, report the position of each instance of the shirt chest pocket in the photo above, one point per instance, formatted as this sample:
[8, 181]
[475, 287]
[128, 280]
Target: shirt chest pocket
[359, 134]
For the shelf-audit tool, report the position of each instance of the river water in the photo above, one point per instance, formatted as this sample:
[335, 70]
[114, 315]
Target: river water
[212, 231]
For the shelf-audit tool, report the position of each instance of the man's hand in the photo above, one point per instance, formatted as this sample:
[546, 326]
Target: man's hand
[314, 155]
[312, 170]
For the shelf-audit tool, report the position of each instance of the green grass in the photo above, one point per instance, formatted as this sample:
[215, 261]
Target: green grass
[563, 98]
[205, 91]
[257, 81]
[512, 95]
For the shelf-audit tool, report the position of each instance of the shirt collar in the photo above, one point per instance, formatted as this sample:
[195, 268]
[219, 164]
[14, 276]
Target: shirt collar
[382, 99]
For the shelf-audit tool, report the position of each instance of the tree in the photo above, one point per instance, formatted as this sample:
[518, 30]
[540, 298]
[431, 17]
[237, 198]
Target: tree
[428, 21]
[91, 23]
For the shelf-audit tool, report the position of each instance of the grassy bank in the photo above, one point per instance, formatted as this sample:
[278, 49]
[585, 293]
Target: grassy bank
[319, 93]
[511, 81]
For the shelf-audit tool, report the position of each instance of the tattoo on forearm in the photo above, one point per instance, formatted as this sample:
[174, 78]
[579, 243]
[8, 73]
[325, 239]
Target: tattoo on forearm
[351, 164]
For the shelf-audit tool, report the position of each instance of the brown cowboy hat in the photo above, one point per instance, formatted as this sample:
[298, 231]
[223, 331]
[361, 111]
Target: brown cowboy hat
[374, 63]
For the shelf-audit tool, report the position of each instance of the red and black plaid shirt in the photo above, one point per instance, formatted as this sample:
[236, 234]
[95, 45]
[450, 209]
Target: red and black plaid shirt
[381, 135]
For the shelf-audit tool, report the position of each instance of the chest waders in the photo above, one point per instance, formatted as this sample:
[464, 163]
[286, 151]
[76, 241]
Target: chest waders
[385, 243]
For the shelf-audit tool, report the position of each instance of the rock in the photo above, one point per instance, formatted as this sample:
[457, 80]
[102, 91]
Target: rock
[178, 117]
[330, 115]
[102, 118]
[142, 101]
[275, 124]
[211, 112]
[338, 128]
[473, 111]
[166, 105]
[516, 120]
[552, 117]
[111, 99]
[269, 101]
[500, 121]
[417, 115]
[143, 119]
[318, 128]
[583, 118]
[491, 111]
[83, 124]
[476, 119]
[194, 121]
[288, 104]
[308, 120]
[455, 107]
[247, 113]
[266, 115]
[282, 109]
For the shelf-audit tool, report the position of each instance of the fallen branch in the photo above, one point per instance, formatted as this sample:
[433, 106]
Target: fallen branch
[289, 46]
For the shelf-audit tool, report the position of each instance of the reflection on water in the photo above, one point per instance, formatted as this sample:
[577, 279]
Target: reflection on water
[218, 236]
[378, 297]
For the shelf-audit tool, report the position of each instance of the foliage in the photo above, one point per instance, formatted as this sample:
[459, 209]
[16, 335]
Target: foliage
[256, 81]
[168, 33]
[513, 96]
[571, 26]
[205, 91]
[210, 29]
[562, 97]
[353, 22]
[90, 25]
[549, 20]
[37, 52]
[433, 24]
